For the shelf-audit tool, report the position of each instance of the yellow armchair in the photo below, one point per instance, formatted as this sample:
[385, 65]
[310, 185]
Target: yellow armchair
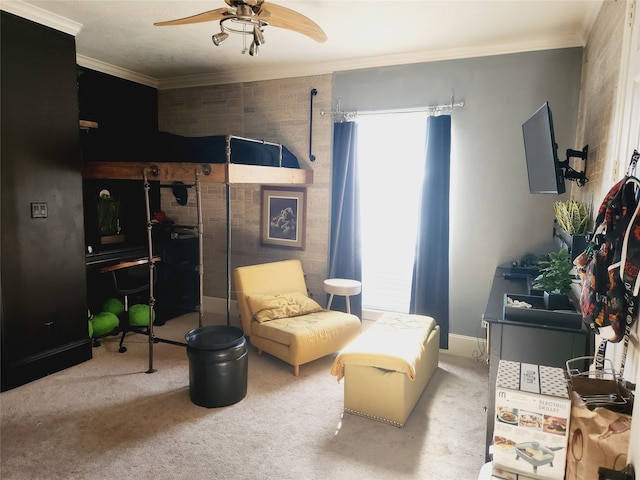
[279, 317]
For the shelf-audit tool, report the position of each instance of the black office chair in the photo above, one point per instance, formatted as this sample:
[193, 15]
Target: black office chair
[131, 279]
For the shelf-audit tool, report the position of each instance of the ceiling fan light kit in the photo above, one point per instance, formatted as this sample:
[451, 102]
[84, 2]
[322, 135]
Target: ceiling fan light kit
[219, 38]
[252, 16]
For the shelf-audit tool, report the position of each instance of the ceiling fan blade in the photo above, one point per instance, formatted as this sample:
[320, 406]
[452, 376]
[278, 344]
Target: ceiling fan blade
[210, 16]
[286, 18]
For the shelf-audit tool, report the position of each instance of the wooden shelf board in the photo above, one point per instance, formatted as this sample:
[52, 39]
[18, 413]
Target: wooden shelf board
[238, 173]
[185, 172]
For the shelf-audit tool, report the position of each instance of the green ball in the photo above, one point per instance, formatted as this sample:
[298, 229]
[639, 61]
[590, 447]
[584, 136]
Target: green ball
[139, 315]
[90, 329]
[113, 305]
[104, 322]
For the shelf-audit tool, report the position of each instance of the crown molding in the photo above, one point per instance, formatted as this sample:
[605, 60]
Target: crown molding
[43, 17]
[109, 69]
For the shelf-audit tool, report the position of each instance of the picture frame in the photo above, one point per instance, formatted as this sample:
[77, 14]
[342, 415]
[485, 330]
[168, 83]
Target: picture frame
[283, 213]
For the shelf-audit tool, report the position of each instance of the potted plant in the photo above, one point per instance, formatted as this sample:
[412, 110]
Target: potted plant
[572, 217]
[555, 280]
[109, 219]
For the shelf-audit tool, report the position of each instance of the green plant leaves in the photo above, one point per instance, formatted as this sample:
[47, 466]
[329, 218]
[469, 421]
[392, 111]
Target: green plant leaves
[557, 276]
[572, 216]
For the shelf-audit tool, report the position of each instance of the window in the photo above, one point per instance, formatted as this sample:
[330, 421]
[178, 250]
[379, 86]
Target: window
[390, 159]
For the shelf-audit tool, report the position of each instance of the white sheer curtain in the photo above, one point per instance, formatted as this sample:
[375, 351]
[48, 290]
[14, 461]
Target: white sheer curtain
[391, 161]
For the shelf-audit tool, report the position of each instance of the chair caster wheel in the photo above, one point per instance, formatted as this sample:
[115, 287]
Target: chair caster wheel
[122, 349]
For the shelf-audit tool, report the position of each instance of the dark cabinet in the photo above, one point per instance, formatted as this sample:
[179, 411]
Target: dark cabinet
[524, 342]
[127, 116]
[178, 285]
[43, 284]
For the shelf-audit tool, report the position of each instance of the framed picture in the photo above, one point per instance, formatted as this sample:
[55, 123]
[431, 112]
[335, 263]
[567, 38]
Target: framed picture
[283, 216]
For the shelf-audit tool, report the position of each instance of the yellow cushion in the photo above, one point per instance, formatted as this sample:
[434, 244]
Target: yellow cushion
[395, 342]
[310, 332]
[272, 307]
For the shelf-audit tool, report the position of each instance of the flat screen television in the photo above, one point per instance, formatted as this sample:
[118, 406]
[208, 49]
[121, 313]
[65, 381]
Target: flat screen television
[541, 151]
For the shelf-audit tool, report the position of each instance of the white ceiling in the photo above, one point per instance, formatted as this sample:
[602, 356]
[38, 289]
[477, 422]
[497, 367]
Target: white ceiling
[118, 37]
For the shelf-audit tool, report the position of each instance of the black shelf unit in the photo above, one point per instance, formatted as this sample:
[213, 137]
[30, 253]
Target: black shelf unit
[177, 288]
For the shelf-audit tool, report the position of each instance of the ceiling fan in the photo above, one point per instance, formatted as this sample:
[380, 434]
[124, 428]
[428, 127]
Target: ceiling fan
[249, 18]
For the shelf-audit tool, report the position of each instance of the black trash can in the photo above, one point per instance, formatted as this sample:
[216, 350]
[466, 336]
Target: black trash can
[218, 362]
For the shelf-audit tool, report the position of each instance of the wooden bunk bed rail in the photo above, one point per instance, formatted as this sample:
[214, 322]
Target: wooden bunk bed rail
[229, 173]
[238, 173]
[167, 172]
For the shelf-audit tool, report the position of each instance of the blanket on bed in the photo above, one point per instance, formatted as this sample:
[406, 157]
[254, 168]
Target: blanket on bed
[213, 149]
[395, 342]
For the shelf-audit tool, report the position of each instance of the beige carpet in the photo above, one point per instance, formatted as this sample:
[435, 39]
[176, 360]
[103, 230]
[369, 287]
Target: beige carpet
[108, 419]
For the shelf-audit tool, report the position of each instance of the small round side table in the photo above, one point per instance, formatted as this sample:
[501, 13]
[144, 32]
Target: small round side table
[342, 286]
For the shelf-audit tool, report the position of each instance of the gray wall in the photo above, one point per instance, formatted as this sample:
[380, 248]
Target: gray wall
[494, 218]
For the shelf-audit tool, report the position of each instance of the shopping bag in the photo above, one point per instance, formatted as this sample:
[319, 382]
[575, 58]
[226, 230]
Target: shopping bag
[598, 437]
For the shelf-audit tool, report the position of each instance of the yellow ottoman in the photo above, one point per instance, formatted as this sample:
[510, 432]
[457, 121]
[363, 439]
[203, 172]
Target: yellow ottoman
[387, 368]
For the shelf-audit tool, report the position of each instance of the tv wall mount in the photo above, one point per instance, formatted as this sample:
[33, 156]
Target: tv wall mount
[571, 174]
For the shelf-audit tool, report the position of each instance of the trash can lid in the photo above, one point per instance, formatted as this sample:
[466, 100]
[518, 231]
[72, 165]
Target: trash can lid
[214, 337]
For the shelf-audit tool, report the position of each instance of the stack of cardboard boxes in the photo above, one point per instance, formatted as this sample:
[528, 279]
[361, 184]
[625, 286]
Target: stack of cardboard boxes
[533, 408]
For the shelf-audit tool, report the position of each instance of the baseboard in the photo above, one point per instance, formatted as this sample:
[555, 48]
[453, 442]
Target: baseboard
[464, 346]
[24, 370]
[459, 345]
[218, 306]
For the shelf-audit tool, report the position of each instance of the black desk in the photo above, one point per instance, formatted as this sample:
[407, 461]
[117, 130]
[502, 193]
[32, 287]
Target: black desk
[113, 256]
[177, 289]
[100, 286]
[524, 342]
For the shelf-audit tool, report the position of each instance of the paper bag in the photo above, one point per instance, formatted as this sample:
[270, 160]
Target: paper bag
[597, 438]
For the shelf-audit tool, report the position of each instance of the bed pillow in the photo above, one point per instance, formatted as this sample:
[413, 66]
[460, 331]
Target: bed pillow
[272, 307]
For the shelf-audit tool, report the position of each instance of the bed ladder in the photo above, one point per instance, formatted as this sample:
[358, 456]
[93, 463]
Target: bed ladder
[198, 228]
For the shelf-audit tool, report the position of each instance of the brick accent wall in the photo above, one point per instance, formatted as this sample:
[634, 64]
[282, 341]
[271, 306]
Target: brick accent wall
[275, 111]
[598, 95]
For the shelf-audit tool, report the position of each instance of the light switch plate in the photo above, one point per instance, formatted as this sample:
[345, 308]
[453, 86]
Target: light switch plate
[39, 210]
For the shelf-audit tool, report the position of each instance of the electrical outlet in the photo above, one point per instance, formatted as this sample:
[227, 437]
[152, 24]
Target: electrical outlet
[39, 210]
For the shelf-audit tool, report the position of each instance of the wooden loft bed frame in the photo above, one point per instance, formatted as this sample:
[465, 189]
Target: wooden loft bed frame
[170, 172]
[213, 158]
[228, 173]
